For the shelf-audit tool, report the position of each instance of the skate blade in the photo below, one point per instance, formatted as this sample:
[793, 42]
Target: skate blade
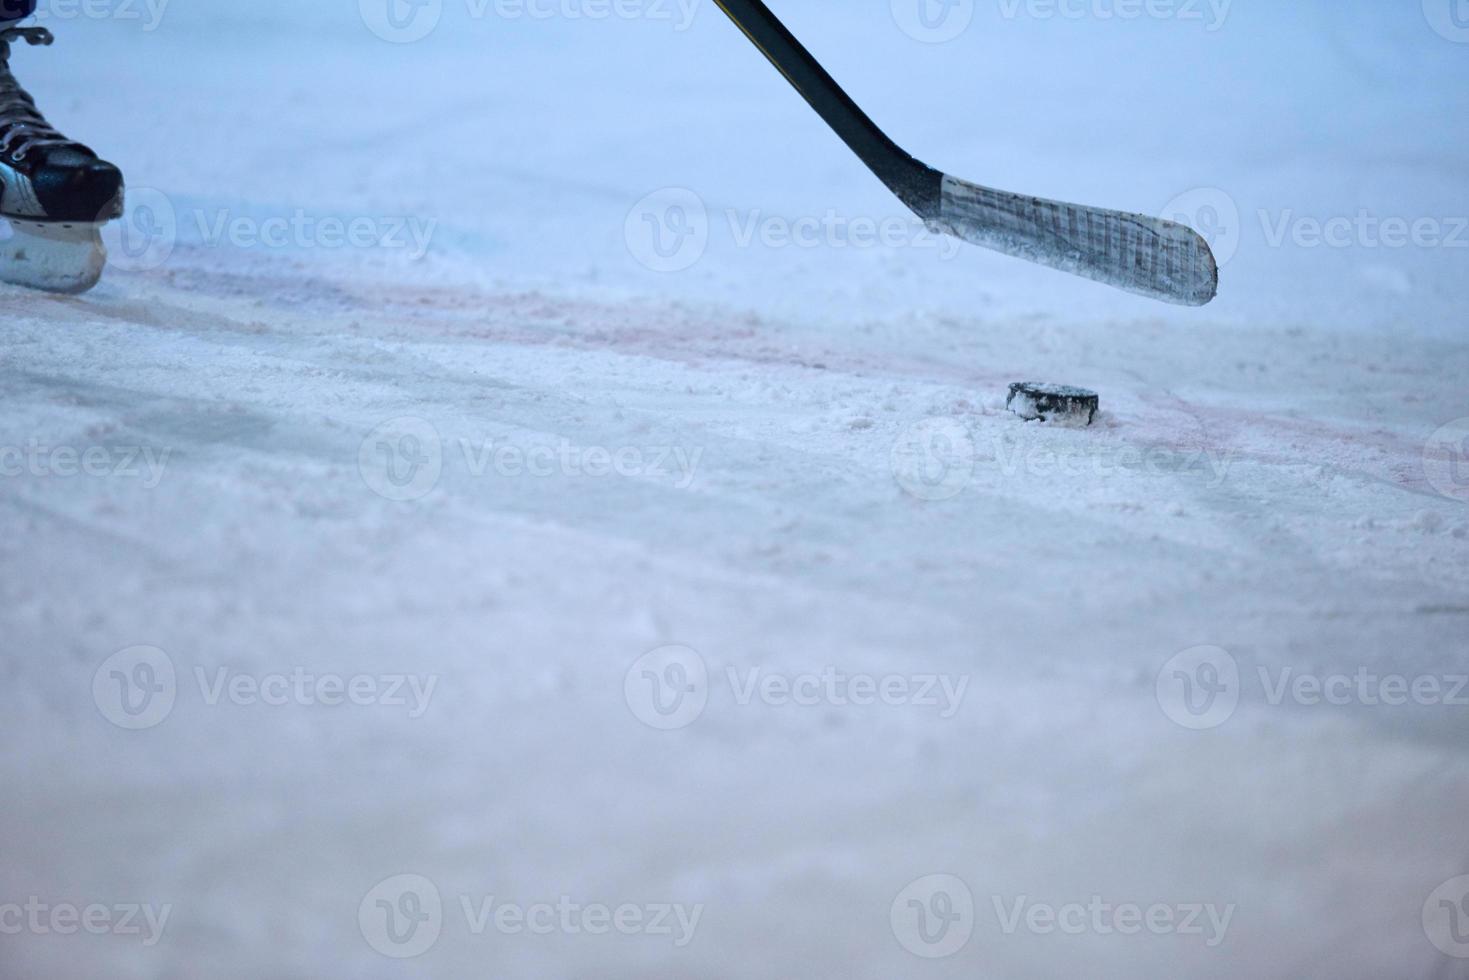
[51, 256]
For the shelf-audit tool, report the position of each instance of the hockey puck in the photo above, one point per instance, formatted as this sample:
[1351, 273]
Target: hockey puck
[1053, 403]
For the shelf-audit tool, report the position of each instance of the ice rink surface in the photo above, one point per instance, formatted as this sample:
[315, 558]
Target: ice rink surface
[537, 392]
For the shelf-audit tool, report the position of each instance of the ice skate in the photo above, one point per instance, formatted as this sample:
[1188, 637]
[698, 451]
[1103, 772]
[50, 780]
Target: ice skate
[55, 194]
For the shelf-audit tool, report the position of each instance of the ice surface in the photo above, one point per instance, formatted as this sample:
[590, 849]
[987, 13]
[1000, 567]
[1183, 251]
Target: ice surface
[535, 468]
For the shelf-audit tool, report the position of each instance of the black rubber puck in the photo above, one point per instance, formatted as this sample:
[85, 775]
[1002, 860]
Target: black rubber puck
[1053, 403]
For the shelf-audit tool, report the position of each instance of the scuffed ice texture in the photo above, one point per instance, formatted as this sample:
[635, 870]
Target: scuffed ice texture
[1143, 255]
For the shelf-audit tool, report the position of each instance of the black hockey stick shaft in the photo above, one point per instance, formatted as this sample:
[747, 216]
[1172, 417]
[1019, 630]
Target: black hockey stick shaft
[916, 184]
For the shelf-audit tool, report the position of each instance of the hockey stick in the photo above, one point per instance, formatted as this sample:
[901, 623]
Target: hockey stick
[1144, 255]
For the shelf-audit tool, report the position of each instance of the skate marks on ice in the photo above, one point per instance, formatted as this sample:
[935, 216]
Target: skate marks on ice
[982, 356]
[979, 356]
[1323, 449]
[738, 385]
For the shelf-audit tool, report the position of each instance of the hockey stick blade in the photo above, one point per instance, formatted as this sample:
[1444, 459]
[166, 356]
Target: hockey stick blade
[1148, 256]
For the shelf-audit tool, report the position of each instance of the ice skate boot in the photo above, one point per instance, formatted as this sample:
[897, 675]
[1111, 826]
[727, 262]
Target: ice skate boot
[55, 194]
